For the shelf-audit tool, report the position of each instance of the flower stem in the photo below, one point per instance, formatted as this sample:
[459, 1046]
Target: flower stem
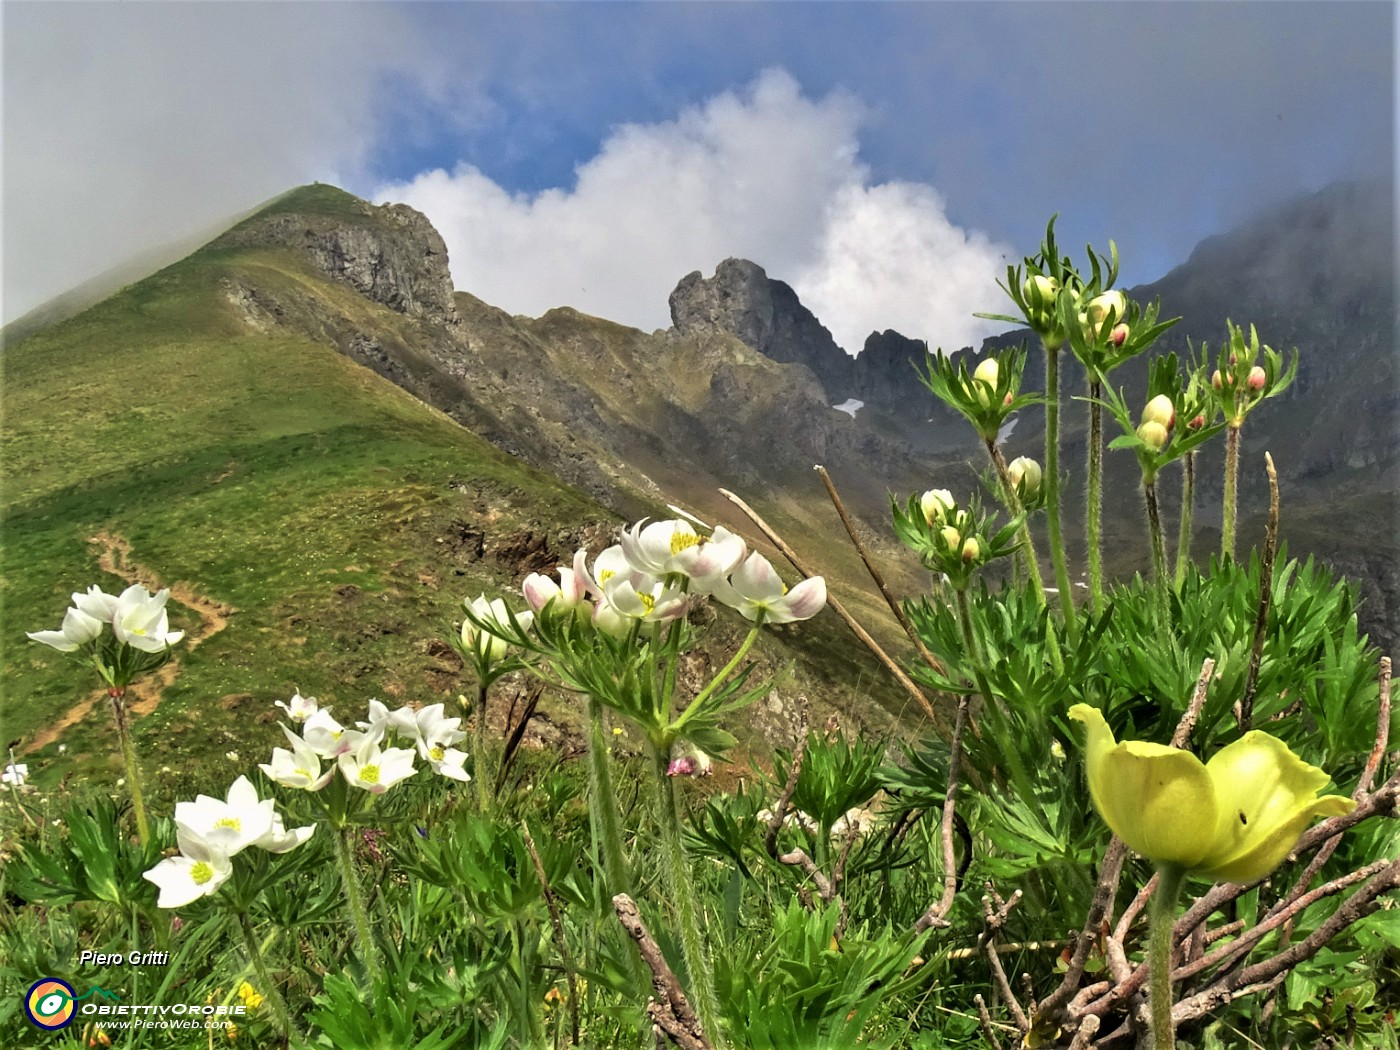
[485, 779]
[133, 768]
[725, 671]
[1232, 473]
[1159, 550]
[681, 889]
[1188, 496]
[1093, 518]
[1013, 504]
[279, 1005]
[1159, 953]
[1052, 479]
[356, 902]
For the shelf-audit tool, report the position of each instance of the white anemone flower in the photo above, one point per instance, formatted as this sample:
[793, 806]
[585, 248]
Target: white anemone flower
[324, 735]
[279, 840]
[16, 773]
[567, 594]
[300, 708]
[667, 547]
[382, 720]
[97, 603]
[199, 871]
[374, 769]
[436, 735]
[298, 768]
[488, 643]
[645, 598]
[78, 630]
[755, 590]
[228, 825]
[140, 620]
[610, 565]
[434, 725]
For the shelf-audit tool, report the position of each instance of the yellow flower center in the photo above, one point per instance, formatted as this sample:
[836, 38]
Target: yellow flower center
[682, 541]
[604, 575]
[304, 773]
[437, 754]
[369, 774]
[201, 872]
[648, 602]
[229, 822]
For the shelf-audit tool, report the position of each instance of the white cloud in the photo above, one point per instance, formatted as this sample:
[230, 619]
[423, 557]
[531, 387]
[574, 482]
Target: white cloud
[763, 173]
[128, 126]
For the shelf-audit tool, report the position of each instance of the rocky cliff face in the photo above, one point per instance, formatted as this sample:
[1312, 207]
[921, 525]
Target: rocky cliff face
[742, 301]
[392, 256]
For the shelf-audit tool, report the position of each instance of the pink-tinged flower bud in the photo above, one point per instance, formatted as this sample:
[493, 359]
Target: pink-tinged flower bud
[1257, 378]
[1215, 379]
[1008, 398]
[1025, 476]
[681, 767]
[971, 549]
[951, 536]
[936, 504]
[1110, 306]
[1119, 335]
[1153, 435]
[1196, 423]
[1160, 410]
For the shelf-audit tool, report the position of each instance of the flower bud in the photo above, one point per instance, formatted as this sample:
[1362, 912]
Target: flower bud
[936, 503]
[1257, 378]
[1119, 335]
[988, 372]
[971, 549]
[1110, 306]
[1039, 291]
[1160, 410]
[1197, 423]
[951, 536]
[1025, 476]
[1153, 435]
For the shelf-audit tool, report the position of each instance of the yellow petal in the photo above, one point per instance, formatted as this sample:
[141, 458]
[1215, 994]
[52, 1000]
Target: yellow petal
[1159, 800]
[1267, 800]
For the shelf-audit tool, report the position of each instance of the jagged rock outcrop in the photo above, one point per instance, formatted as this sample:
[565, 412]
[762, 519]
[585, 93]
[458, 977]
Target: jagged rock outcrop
[392, 255]
[743, 301]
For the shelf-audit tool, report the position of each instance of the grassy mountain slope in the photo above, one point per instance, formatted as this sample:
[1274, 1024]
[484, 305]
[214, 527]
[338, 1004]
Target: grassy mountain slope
[340, 518]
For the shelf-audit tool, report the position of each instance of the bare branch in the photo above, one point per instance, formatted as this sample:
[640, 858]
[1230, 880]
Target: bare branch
[937, 913]
[1104, 893]
[985, 1018]
[1084, 1034]
[1193, 709]
[939, 725]
[799, 754]
[669, 1009]
[895, 606]
[994, 911]
[1266, 591]
[1373, 761]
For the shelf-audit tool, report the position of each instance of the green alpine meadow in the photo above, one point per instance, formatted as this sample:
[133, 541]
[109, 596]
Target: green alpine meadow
[386, 670]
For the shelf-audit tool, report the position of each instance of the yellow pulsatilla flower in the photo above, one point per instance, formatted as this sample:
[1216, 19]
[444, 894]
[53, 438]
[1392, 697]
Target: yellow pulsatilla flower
[1232, 819]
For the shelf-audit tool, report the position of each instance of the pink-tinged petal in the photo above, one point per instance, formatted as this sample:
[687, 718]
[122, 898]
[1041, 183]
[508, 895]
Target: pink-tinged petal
[539, 590]
[757, 580]
[806, 599]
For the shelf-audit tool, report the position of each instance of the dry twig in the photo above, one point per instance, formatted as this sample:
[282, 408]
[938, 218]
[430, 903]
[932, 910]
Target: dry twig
[669, 1009]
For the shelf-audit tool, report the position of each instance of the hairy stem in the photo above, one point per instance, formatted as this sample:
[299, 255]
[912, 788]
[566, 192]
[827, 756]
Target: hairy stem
[133, 768]
[681, 889]
[602, 804]
[355, 901]
[1169, 881]
[1159, 550]
[1013, 505]
[1188, 496]
[485, 781]
[1052, 499]
[269, 989]
[1093, 510]
[1232, 473]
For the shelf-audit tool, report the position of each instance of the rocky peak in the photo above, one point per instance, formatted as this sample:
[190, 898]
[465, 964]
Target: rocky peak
[741, 300]
[390, 254]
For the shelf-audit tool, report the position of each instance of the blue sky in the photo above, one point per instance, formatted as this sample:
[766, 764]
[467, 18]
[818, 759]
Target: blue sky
[880, 157]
